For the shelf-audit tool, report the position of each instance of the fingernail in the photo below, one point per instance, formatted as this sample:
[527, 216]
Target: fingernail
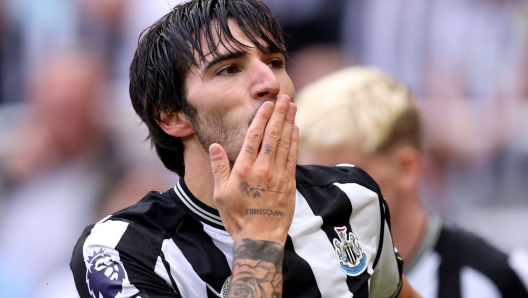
[214, 151]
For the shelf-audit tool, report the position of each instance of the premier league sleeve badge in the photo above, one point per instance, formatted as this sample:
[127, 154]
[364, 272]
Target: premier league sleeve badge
[104, 275]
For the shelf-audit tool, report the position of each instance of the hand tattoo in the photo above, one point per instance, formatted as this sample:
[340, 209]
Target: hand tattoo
[257, 269]
[249, 149]
[268, 212]
[250, 191]
[268, 148]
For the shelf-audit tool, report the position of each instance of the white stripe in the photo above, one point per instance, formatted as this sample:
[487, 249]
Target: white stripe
[187, 281]
[365, 218]
[474, 284]
[366, 224]
[195, 208]
[106, 235]
[222, 240]
[424, 276]
[161, 271]
[346, 165]
[518, 261]
[312, 244]
[190, 201]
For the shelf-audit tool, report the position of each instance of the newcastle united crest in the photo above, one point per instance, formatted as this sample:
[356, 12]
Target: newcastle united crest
[352, 259]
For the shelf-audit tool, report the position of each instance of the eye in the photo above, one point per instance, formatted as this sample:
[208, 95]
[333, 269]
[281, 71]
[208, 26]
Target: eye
[228, 70]
[276, 63]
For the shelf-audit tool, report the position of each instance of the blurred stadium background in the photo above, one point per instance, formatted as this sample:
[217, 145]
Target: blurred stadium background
[72, 149]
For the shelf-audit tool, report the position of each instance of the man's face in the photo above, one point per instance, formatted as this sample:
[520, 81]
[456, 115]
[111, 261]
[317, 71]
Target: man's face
[227, 90]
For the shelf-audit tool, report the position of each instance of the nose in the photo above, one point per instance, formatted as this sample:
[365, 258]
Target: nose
[265, 84]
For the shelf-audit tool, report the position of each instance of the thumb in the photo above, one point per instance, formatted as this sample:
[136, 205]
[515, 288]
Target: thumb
[219, 166]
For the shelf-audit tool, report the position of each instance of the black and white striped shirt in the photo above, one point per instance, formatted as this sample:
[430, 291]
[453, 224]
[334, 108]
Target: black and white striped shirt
[172, 245]
[453, 263]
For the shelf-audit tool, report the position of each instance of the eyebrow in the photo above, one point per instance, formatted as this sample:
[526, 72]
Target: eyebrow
[269, 49]
[223, 57]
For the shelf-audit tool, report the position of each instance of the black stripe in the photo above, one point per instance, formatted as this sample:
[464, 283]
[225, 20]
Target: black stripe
[78, 267]
[363, 290]
[448, 280]
[384, 211]
[299, 280]
[335, 208]
[139, 257]
[207, 260]
[167, 267]
[141, 294]
[459, 248]
[314, 175]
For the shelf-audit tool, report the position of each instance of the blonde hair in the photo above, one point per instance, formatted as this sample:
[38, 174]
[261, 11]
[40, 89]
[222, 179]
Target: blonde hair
[358, 106]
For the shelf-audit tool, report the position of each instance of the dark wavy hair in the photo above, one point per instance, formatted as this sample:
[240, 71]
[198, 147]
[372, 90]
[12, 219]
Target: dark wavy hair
[166, 51]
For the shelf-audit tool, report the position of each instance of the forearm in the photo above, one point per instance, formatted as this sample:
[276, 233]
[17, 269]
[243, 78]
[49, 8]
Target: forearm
[257, 269]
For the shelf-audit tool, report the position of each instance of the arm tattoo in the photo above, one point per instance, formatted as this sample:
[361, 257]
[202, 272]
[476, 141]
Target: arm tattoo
[257, 269]
[251, 191]
[268, 148]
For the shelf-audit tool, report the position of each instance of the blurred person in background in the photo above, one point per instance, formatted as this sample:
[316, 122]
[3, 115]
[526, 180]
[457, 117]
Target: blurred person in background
[2, 28]
[312, 36]
[58, 170]
[364, 117]
[10, 58]
[36, 28]
[112, 27]
[58, 164]
[467, 61]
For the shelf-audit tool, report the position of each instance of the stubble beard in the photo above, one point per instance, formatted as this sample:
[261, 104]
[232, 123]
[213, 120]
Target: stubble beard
[214, 128]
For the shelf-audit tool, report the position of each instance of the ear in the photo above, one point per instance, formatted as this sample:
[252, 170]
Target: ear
[175, 124]
[409, 167]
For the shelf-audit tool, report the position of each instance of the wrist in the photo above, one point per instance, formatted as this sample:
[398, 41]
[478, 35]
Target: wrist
[257, 269]
[254, 249]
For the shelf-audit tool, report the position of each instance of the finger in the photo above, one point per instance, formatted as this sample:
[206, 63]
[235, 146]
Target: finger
[291, 163]
[283, 146]
[273, 130]
[220, 167]
[255, 132]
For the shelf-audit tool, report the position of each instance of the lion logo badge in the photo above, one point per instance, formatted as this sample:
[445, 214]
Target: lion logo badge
[352, 259]
[105, 275]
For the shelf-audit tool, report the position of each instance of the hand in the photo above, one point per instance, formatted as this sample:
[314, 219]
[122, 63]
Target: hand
[256, 199]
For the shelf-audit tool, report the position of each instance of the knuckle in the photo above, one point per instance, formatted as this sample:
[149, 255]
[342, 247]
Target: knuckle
[290, 120]
[282, 109]
[273, 133]
[218, 167]
[292, 157]
[242, 170]
[254, 136]
[263, 116]
[284, 143]
[219, 200]
[264, 171]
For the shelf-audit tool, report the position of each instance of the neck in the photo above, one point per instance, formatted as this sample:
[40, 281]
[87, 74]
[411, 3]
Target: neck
[198, 174]
[408, 227]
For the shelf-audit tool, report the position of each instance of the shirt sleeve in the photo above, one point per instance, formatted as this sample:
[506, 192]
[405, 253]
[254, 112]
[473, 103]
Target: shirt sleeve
[370, 221]
[387, 277]
[114, 258]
